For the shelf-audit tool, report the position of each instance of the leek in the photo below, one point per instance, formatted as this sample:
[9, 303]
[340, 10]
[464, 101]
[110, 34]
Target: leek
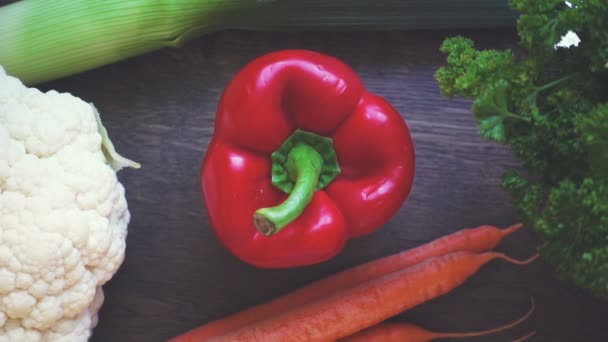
[42, 40]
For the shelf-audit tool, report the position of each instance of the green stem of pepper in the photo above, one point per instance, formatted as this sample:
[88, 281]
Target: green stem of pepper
[304, 166]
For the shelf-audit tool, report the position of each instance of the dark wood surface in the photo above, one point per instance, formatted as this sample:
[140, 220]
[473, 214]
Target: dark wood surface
[159, 110]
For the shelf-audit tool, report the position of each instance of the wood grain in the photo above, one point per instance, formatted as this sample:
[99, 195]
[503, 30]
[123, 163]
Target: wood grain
[159, 110]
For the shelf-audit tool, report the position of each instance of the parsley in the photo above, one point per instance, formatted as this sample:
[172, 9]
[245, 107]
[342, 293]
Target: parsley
[551, 107]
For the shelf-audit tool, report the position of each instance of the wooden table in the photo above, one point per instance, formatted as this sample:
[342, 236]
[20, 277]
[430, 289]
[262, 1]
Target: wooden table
[159, 110]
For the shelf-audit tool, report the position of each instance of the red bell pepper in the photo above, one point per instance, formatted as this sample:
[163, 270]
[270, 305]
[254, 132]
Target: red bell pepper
[303, 158]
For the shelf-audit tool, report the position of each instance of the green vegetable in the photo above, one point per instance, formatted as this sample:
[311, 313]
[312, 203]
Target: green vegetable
[551, 107]
[42, 40]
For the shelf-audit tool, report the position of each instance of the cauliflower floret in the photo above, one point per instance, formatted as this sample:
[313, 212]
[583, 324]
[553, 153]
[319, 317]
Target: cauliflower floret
[63, 214]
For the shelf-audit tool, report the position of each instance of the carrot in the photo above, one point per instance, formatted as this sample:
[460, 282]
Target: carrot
[370, 303]
[406, 332]
[478, 239]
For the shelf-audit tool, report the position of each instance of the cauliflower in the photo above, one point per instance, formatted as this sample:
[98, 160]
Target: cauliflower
[63, 214]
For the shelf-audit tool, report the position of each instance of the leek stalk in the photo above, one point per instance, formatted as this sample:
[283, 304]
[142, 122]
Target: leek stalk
[42, 40]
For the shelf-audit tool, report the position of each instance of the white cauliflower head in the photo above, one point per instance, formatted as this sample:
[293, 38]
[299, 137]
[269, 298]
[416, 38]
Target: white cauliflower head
[63, 214]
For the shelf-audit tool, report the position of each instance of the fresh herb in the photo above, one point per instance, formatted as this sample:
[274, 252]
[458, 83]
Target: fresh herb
[551, 107]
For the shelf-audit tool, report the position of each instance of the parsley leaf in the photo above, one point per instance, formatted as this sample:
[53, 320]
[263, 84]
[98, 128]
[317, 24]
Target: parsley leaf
[551, 106]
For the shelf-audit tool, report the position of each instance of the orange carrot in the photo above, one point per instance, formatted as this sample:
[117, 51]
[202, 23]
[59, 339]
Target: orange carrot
[478, 239]
[370, 303]
[406, 332]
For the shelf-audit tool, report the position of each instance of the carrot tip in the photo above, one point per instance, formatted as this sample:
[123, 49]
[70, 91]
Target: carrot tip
[526, 337]
[492, 330]
[518, 262]
[512, 229]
